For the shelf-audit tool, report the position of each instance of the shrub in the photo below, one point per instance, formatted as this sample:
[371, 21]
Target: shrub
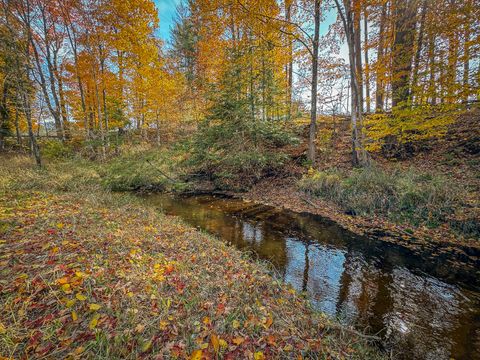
[327, 184]
[237, 154]
[56, 149]
[137, 170]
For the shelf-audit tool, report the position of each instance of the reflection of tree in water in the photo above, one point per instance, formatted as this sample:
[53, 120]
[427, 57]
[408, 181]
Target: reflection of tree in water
[367, 283]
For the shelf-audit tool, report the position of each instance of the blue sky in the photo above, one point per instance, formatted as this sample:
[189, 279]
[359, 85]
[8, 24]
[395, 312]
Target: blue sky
[166, 14]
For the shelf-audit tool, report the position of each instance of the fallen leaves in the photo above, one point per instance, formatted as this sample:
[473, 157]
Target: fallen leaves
[93, 323]
[238, 340]
[169, 290]
[80, 297]
[258, 356]
[196, 355]
[94, 307]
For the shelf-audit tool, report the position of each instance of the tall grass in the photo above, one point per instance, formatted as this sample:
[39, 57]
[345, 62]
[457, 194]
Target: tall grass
[407, 196]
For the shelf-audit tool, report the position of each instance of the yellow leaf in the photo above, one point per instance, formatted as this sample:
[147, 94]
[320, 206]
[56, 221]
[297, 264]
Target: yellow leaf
[130, 294]
[139, 328]
[206, 320]
[215, 342]
[259, 356]
[268, 322]
[94, 322]
[223, 344]
[235, 324]
[80, 274]
[66, 288]
[196, 355]
[163, 324]
[74, 316]
[146, 346]
[80, 297]
[94, 307]
[3, 329]
[60, 225]
[70, 303]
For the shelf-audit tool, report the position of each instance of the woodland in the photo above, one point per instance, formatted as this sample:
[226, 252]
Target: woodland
[365, 112]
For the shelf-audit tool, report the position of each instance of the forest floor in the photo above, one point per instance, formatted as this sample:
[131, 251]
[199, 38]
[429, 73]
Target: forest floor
[455, 156]
[92, 274]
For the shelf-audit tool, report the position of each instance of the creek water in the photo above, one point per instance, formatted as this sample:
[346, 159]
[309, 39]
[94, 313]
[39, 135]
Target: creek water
[420, 306]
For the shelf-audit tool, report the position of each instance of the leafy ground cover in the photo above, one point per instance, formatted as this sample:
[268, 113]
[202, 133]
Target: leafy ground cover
[86, 273]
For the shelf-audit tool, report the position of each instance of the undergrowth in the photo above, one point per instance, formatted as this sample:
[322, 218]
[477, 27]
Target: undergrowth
[237, 154]
[404, 196]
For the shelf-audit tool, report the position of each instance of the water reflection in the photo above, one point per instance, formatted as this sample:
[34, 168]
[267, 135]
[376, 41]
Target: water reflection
[374, 285]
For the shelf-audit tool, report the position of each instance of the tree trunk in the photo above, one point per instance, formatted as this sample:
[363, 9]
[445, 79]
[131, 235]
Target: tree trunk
[466, 62]
[99, 115]
[379, 98]
[17, 128]
[33, 142]
[4, 115]
[367, 68]
[418, 52]
[357, 34]
[73, 43]
[404, 15]
[349, 20]
[51, 71]
[313, 104]
[158, 128]
[432, 91]
[288, 17]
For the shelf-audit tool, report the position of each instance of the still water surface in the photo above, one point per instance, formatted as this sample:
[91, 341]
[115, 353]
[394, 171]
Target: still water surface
[420, 309]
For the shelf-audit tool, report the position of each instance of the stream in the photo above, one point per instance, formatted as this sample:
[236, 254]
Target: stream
[420, 306]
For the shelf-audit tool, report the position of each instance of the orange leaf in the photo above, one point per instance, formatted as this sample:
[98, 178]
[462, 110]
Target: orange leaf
[196, 355]
[215, 342]
[238, 340]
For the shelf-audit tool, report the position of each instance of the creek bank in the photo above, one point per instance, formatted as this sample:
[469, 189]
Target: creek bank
[432, 244]
[282, 193]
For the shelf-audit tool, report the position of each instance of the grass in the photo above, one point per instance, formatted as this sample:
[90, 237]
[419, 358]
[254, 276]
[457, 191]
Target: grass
[402, 196]
[86, 273]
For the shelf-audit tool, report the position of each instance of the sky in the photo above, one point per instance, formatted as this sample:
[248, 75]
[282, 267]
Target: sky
[166, 14]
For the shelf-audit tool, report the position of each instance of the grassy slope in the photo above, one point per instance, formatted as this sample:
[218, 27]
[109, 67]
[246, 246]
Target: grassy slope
[85, 273]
